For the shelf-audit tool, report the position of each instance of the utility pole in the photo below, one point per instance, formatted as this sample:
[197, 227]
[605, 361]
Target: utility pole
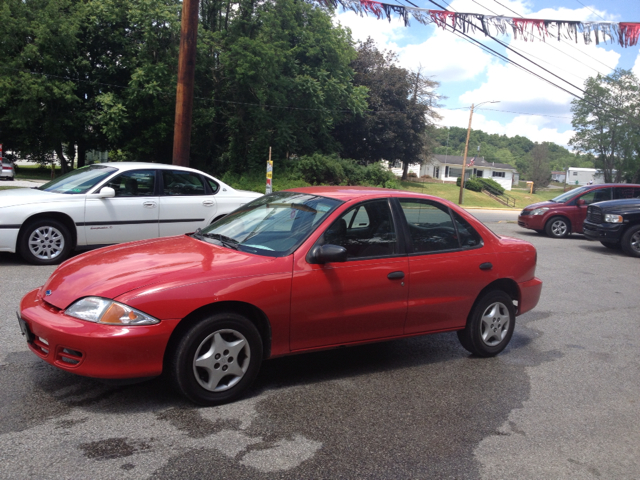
[186, 75]
[466, 148]
[464, 161]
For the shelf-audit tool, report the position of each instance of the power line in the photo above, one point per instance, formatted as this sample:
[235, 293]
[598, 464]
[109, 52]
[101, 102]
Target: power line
[570, 45]
[595, 13]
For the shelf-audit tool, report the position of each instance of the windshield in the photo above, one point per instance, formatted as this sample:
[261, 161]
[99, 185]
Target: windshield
[273, 225]
[78, 181]
[570, 194]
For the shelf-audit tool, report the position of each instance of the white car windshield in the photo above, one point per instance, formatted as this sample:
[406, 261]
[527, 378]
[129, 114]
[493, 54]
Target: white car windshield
[273, 225]
[79, 181]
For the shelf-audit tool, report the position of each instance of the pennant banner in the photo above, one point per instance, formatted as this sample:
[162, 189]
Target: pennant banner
[527, 29]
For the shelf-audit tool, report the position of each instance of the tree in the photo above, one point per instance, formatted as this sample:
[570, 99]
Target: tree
[607, 123]
[277, 74]
[92, 74]
[400, 107]
[539, 172]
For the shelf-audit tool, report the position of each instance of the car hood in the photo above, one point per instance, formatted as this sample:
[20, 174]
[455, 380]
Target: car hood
[25, 196]
[533, 206]
[624, 205]
[113, 271]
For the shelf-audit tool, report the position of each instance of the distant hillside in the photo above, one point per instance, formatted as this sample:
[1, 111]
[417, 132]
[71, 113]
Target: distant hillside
[515, 151]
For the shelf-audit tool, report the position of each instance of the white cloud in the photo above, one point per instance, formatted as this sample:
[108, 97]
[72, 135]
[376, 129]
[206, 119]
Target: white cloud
[446, 57]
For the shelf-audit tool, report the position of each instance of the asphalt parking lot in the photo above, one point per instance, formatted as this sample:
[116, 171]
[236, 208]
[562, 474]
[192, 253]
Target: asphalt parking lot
[562, 401]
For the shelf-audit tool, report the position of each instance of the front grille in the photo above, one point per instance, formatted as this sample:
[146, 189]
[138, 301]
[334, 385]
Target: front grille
[524, 213]
[594, 214]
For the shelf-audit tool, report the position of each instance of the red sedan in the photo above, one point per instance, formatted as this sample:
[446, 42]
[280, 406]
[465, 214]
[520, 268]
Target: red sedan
[290, 272]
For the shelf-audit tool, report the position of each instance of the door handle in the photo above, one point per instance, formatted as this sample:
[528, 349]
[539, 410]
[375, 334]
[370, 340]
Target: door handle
[395, 275]
[208, 203]
[149, 204]
[486, 266]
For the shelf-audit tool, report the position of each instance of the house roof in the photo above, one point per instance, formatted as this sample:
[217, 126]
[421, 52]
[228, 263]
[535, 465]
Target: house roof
[479, 162]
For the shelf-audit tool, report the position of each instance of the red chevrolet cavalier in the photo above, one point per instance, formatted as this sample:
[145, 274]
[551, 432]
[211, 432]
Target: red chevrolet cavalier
[290, 272]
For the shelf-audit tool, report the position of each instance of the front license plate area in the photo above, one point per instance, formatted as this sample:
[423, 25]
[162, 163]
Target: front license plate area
[24, 328]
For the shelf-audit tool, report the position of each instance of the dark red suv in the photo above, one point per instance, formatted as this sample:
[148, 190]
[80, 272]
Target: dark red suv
[565, 214]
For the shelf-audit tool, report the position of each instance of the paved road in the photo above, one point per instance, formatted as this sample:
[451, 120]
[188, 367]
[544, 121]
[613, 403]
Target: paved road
[562, 401]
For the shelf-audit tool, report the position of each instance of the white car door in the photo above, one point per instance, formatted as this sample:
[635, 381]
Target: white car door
[186, 203]
[131, 215]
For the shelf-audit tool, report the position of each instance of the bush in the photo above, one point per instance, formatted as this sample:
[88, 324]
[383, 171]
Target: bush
[492, 184]
[472, 184]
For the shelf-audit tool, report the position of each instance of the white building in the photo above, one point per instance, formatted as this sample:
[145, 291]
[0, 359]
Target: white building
[584, 176]
[558, 176]
[448, 168]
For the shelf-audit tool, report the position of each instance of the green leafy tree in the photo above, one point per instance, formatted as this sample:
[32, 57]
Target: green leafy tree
[539, 171]
[607, 121]
[400, 108]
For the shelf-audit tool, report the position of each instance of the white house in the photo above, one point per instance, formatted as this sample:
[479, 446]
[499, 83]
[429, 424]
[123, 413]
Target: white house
[448, 168]
[583, 176]
[558, 176]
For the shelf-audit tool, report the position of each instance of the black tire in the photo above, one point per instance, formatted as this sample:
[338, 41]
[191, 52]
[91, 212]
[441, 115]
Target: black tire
[198, 367]
[631, 241]
[44, 242]
[490, 325]
[558, 227]
[612, 246]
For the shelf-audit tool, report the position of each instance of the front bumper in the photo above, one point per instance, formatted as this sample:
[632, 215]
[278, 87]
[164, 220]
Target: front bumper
[604, 232]
[93, 349]
[533, 222]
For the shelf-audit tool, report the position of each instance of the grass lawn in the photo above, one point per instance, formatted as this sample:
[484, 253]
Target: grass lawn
[451, 192]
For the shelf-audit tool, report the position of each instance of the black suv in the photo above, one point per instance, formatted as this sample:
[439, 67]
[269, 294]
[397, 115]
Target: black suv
[615, 223]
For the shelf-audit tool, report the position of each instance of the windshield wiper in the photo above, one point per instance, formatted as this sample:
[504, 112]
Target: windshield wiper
[225, 241]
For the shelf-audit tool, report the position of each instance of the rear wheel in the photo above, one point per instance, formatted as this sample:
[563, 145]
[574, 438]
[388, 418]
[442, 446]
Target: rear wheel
[558, 227]
[631, 241]
[490, 325]
[217, 359]
[44, 242]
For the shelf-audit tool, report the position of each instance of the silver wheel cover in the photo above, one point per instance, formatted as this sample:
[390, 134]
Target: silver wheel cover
[46, 242]
[494, 324]
[559, 228]
[221, 360]
[634, 242]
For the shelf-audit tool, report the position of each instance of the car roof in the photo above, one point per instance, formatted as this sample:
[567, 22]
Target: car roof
[346, 193]
[135, 165]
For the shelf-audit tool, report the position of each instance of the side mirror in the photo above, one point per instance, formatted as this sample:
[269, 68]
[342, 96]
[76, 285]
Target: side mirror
[580, 202]
[105, 192]
[327, 254]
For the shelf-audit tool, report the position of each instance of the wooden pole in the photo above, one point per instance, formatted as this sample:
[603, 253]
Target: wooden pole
[464, 161]
[186, 75]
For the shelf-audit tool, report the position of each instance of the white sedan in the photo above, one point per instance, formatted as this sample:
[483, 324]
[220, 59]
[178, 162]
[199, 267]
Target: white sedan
[109, 203]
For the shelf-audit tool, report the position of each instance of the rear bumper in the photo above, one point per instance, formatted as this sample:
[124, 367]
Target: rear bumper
[91, 349]
[529, 295]
[603, 232]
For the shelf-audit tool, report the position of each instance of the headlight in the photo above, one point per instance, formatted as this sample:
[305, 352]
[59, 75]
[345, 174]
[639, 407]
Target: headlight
[539, 211]
[103, 310]
[609, 218]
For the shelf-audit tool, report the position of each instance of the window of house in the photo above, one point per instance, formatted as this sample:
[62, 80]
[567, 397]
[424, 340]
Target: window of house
[498, 174]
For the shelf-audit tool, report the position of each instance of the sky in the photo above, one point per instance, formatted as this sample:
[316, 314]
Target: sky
[527, 106]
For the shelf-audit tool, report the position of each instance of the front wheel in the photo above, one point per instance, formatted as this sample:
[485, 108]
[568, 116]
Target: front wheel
[558, 227]
[217, 359]
[490, 325]
[631, 241]
[44, 242]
